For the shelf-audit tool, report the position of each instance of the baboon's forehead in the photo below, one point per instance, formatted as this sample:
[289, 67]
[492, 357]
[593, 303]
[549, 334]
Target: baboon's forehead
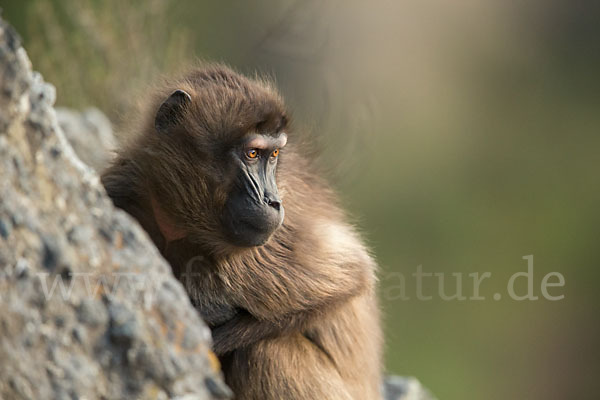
[225, 104]
[237, 115]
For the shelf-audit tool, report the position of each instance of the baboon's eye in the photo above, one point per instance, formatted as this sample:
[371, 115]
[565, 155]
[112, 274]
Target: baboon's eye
[275, 153]
[252, 153]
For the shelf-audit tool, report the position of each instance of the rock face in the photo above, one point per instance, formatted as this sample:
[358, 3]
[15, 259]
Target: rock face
[88, 308]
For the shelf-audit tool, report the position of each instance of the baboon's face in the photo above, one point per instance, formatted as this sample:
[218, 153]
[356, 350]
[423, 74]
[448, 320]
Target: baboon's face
[224, 179]
[254, 210]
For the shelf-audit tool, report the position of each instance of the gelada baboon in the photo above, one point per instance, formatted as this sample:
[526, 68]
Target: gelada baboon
[221, 184]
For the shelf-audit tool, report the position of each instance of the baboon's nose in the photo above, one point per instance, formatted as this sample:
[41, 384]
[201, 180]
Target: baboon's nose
[273, 202]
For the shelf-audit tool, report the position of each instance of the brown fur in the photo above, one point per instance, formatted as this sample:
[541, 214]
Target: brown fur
[295, 318]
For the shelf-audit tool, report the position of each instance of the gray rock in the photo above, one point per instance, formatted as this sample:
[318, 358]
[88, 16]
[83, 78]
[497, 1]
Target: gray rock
[90, 133]
[88, 308]
[405, 388]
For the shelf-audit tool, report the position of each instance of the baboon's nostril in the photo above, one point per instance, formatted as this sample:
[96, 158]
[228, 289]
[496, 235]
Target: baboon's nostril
[276, 204]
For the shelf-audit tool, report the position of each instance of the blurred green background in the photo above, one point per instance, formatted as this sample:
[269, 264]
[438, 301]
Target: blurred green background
[462, 136]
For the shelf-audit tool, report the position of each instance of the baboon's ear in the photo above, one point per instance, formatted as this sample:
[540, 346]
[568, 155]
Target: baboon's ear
[170, 110]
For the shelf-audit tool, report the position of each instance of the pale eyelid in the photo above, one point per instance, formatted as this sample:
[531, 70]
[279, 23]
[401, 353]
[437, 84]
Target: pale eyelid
[282, 140]
[264, 142]
[258, 142]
